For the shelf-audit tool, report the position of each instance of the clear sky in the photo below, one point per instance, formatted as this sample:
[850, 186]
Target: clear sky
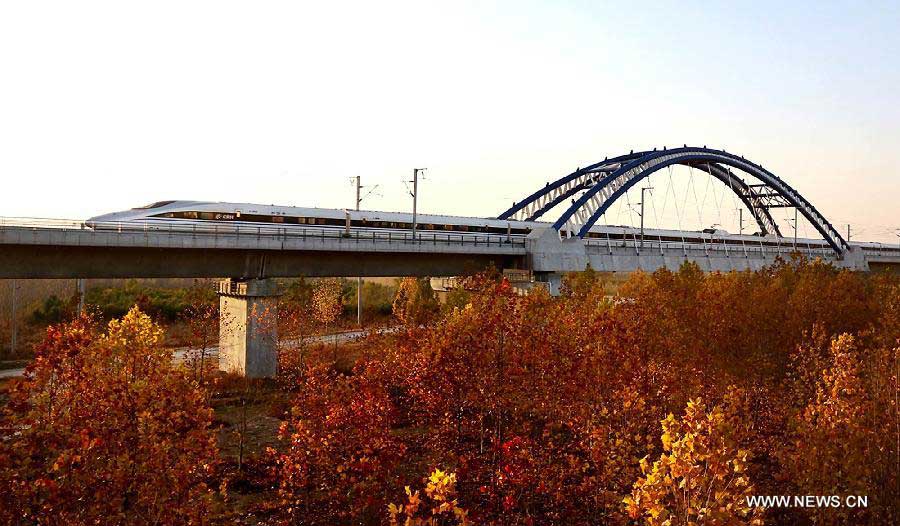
[109, 105]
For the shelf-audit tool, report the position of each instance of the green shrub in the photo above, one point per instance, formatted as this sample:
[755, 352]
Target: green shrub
[169, 304]
[53, 310]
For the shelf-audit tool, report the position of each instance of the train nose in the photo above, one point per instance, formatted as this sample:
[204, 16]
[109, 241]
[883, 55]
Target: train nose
[114, 217]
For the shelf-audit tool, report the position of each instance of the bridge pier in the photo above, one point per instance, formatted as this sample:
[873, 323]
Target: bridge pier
[248, 327]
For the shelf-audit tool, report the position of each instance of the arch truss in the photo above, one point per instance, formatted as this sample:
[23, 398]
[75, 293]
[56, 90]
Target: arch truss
[601, 184]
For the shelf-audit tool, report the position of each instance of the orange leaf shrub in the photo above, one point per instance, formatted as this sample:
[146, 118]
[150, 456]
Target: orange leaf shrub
[104, 430]
[339, 453]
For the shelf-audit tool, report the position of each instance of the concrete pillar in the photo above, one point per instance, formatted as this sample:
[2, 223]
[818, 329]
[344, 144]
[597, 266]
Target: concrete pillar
[248, 332]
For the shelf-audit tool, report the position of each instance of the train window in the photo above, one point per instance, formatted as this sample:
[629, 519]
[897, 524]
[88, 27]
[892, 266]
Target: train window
[301, 220]
[277, 219]
[157, 204]
[190, 215]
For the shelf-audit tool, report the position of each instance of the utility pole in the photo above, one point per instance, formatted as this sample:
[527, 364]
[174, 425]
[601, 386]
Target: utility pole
[80, 290]
[415, 196]
[15, 299]
[358, 278]
[359, 197]
[741, 221]
[642, 212]
[848, 232]
[795, 228]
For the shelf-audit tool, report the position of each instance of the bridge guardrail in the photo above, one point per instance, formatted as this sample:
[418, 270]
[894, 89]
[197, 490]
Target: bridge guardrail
[750, 248]
[245, 231]
[783, 247]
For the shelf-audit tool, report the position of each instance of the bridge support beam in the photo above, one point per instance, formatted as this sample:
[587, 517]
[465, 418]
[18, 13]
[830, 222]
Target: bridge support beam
[248, 331]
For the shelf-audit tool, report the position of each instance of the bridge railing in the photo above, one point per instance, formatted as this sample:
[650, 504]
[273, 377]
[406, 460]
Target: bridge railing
[262, 232]
[881, 250]
[757, 248]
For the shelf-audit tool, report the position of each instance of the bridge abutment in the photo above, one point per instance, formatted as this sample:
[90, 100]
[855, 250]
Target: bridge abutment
[248, 327]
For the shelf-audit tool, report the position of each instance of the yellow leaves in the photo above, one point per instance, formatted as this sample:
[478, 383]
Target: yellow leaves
[438, 477]
[699, 460]
[667, 441]
[134, 329]
[645, 465]
[440, 490]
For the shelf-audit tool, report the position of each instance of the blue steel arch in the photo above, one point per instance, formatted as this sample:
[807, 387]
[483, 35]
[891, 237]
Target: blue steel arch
[604, 182]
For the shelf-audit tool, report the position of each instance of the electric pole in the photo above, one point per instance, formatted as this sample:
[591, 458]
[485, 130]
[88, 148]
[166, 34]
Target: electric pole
[15, 299]
[415, 196]
[80, 290]
[848, 232]
[642, 213]
[741, 221]
[795, 228]
[358, 278]
[359, 198]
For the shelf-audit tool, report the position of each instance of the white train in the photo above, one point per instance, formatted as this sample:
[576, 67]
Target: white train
[207, 216]
[204, 213]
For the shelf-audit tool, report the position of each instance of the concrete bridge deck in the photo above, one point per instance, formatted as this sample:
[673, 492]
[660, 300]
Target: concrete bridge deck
[32, 248]
[58, 249]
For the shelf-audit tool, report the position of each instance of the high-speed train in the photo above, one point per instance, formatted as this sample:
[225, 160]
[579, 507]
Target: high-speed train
[206, 215]
[203, 213]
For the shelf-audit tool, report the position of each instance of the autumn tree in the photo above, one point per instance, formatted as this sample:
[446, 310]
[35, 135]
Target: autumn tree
[326, 301]
[438, 506]
[836, 446]
[202, 318]
[415, 302]
[700, 478]
[584, 285]
[103, 429]
[339, 451]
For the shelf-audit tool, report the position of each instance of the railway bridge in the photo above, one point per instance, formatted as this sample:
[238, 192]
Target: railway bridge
[248, 255]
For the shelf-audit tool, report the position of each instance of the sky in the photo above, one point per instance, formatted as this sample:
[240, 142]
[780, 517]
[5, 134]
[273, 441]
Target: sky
[109, 105]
